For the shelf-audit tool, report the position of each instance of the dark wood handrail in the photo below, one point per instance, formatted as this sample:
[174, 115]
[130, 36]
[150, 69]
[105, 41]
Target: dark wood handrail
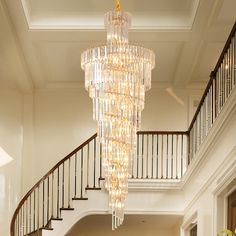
[221, 58]
[213, 76]
[162, 132]
[45, 177]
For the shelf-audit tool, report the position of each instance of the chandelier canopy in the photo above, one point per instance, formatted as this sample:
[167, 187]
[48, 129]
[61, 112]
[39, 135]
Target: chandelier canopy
[116, 77]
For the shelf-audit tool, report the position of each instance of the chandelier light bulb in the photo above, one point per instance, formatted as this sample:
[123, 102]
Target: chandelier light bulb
[116, 77]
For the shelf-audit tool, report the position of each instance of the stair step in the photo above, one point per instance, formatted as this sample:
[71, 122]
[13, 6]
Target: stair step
[79, 198]
[54, 218]
[67, 209]
[93, 188]
[38, 232]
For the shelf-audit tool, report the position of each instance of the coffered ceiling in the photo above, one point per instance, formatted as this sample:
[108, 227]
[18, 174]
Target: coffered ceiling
[41, 40]
[75, 14]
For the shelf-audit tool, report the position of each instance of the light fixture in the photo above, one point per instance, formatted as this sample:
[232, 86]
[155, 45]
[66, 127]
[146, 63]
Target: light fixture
[116, 77]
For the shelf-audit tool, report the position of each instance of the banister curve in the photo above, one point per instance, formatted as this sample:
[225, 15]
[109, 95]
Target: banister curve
[45, 177]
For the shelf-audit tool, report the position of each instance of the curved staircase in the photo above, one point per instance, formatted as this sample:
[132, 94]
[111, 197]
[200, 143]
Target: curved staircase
[66, 187]
[69, 187]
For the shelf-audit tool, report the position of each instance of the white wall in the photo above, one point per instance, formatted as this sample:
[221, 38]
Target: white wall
[40, 128]
[212, 179]
[62, 120]
[11, 133]
[163, 112]
[138, 225]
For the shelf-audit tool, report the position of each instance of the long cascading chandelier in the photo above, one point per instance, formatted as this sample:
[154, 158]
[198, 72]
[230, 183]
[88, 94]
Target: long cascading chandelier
[116, 77]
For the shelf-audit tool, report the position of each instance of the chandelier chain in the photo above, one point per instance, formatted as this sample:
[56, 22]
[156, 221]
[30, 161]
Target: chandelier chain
[118, 5]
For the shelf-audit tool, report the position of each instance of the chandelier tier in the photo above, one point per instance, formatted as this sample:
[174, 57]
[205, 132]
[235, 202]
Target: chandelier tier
[116, 77]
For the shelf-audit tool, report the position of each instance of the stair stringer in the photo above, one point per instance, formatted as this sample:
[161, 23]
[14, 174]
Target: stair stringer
[149, 202]
[97, 203]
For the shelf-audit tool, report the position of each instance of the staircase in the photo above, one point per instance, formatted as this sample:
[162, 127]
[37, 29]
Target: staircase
[74, 186]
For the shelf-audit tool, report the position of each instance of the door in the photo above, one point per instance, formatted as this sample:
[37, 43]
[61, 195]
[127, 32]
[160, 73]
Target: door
[193, 231]
[232, 211]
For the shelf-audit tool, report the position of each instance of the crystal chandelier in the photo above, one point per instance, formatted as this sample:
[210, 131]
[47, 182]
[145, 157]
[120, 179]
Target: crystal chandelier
[116, 77]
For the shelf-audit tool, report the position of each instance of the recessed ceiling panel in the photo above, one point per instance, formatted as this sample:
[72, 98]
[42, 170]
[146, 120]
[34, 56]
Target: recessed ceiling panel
[79, 14]
[60, 61]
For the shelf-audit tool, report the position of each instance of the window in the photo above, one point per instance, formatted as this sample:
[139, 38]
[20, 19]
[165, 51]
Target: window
[232, 211]
[193, 231]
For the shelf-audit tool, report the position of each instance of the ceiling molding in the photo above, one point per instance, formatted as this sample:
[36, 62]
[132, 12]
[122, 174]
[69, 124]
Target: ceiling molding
[18, 66]
[78, 20]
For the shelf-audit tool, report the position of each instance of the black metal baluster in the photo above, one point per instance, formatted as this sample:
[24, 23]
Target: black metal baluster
[75, 195]
[26, 217]
[147, 157]
[189, 138]
[161, 160]
[58, 191]
[167, 155]
[94, 165]
[182, 142]
[213, 100]
[52, 200]
[172, 161]
[81, 177]
[157, 161]
[234, 60]
[43, 205]
[69, 183]
[38, 226]
[34, 210]
[137, 155]
[225, 81]
[177, 143]
[17, 225]
[142, 154]
[48, 198]
[222, 85]
[30, 216]
[152, 156]
[100, 157]
[23, 220]
[88, 165]
[63, 185]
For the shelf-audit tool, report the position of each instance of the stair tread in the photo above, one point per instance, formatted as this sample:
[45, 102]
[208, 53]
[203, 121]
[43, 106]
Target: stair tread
[54, 218]
[93, 188]
[66, 209]
[40, 229]
[79, 198]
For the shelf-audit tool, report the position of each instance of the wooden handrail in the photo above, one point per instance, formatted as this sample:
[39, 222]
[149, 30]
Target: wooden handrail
[44, 178]
[221, 58]
[213, 75]
[209, 84]
[161, 132]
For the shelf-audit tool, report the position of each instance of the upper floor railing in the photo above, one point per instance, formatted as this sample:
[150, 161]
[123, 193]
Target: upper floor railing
[160, 155]
[221, 83]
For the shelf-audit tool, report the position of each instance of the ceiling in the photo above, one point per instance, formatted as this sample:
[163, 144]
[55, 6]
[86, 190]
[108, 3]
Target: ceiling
[139, 225]
[41, 41]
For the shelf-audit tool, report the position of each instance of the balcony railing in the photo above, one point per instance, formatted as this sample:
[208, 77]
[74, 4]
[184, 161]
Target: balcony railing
[222, 82]
[160, 155]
